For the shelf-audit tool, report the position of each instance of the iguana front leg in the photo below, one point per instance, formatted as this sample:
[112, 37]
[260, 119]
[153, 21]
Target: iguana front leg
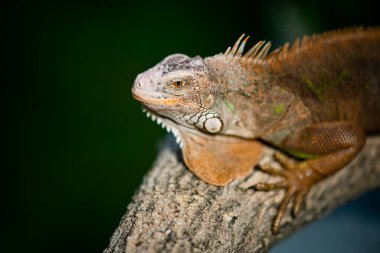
[326, 147]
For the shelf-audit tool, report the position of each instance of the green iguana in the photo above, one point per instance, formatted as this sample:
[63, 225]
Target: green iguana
[314, 101]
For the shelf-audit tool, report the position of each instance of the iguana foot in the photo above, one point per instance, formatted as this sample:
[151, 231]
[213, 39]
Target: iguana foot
[297, 178]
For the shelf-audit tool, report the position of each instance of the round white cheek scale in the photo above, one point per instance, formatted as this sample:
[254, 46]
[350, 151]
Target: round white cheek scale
[213, 125]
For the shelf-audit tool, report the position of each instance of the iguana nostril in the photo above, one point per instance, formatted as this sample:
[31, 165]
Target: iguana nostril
[139, 85]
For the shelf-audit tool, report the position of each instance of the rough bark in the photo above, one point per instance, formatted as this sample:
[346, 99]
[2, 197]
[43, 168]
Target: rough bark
[173, 211]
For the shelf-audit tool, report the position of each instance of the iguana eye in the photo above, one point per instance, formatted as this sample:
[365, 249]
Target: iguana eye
[178, 84]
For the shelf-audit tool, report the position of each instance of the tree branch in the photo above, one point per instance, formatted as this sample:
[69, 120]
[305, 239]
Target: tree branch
[174, 211]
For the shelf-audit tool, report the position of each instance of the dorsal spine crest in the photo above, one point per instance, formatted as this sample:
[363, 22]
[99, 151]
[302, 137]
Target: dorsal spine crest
[258, 54]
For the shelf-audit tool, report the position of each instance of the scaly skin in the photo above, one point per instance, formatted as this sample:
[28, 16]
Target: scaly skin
[315, 102]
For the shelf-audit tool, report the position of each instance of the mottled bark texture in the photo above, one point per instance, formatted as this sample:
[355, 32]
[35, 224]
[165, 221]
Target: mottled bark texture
[173, 211]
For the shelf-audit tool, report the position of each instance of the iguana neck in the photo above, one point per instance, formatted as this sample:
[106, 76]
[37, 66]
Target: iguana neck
[252, 105]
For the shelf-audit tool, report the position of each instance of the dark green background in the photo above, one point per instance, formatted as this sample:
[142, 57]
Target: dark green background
[76, 144]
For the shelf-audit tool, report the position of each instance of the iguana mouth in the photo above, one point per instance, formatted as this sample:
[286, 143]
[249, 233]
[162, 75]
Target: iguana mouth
[156, 101]
[162, 101]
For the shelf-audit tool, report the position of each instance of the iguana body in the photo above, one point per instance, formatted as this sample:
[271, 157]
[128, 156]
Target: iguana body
[314, 101]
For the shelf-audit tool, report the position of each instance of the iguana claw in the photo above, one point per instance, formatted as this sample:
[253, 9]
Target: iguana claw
[297, 178]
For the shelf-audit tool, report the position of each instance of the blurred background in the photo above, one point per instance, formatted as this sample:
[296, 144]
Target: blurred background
[77, 145]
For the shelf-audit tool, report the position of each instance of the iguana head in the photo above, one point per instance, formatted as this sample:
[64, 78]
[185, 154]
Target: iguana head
[224, 94]
[180, 89]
